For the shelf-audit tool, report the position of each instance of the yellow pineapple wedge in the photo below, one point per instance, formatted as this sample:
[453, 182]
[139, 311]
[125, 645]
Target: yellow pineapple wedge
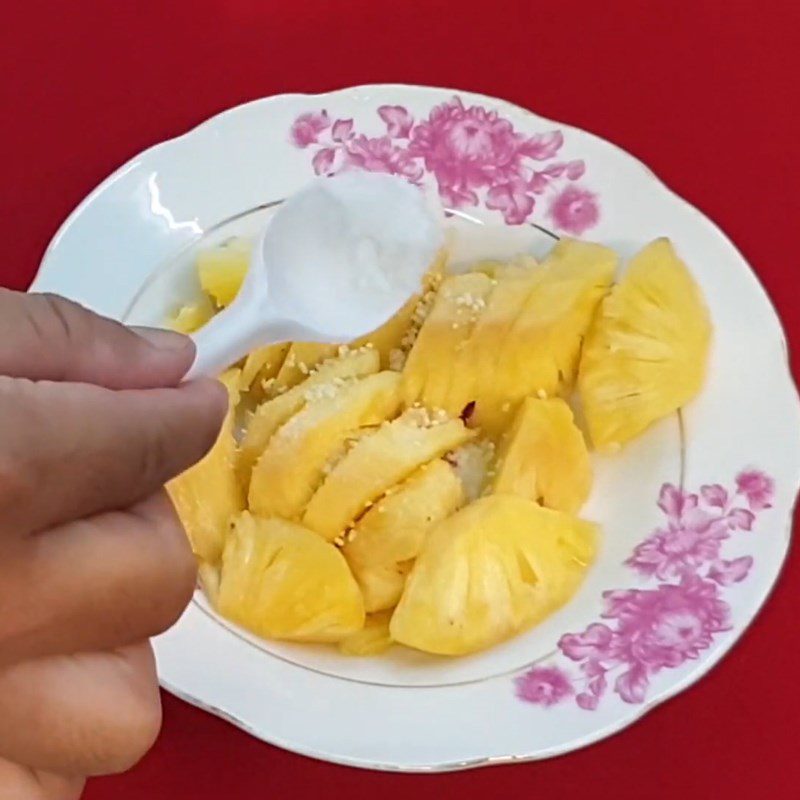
[192, 317]
[377, 463]
[262, 365]
[543, 457]
[381, 585]
[392, 532]
[222, 269]
[647, 352]
[292, 466]
[493, 569]
[429, 370]
[208, 495]
[474, 365]
[208, 576]
[518, 332]
[372, 640]
[282, 581]
[538, 355]
[300, 361]
[271, 414]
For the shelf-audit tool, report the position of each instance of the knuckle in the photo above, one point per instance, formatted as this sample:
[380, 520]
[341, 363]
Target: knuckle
[55, 316]
[16, 483]
[156, 455]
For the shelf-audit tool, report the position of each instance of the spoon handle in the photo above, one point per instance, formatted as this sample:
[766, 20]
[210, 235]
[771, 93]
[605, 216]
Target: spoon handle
[227, 338]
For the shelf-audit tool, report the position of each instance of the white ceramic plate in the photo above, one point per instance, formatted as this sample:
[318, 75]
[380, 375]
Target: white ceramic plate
[696, 514]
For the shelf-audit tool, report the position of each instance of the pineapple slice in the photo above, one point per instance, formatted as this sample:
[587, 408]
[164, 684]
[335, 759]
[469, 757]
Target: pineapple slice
[390, 535]
[394, 528]
[300, 362]
[492, 341]
[647, 352]
[262, 365]
[476, 360]
[543, 457]
[270, 415]
[495, 568]
[389, 336]
[222, 269]
[208, 494]
[538, 354]
[392, 337]
[376, 464]
[429, 370]
[282, 581]
[372, 640]
[382, 585]
[192, 317]
[292, 465]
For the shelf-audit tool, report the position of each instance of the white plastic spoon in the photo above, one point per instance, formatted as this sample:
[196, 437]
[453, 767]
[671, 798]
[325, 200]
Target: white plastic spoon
[337, 260]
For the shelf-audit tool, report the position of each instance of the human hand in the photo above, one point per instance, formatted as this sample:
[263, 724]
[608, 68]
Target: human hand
[93, 560]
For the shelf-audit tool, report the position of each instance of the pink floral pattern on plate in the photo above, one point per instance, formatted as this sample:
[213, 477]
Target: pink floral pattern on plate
[475, 156]
[646, 630]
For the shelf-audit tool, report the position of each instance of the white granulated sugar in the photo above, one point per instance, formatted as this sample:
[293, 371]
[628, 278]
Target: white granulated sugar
[320, 391]
[346, 252]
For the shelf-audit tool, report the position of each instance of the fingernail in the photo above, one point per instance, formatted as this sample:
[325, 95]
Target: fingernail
[162, 339]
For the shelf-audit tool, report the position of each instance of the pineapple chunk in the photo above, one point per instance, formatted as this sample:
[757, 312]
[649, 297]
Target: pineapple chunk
[476, 360]
[262, 364]
[222, 269]
[282, 581]
[392, 532]
[292, 465]
[394, 529]
[372, 640]
[208, 577]
[270, 415]
[647, 352]
[300, 362]
[495, 340]
[495, 568]
[382, 585]
[538, 354]
[376, 464]
[429, 370]
[192, 317]
[543, 457]
[208, 494]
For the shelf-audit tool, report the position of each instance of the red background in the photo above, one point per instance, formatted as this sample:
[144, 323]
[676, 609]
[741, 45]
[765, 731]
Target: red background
[706, 93]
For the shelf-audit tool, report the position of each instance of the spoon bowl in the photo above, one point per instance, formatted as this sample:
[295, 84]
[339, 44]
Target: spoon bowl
[336, 261]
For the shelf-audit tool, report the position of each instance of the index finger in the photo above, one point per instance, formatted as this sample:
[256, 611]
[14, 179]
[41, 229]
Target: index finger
[69, 450]
[45, 337]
